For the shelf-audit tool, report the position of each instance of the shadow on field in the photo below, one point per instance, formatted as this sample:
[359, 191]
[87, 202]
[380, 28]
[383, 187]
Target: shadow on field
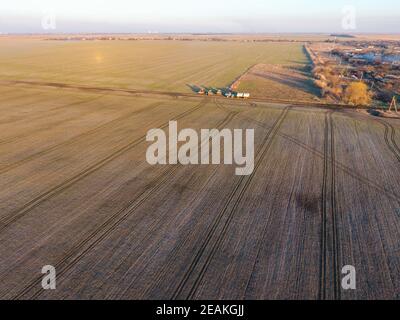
[310, 203]
[305, 85]
[194, 88]
[198, 89]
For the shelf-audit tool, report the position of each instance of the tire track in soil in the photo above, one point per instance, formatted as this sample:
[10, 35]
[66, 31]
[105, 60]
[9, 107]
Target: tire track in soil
[15, 216]
[334, 212]
[237, 193]
[323, 234]
[338, 165]
[328, 205]
[76, 253]
[158, 276]
[393, 148]
[51, 125]
[329, 259]
[59, 85]
[73, 140]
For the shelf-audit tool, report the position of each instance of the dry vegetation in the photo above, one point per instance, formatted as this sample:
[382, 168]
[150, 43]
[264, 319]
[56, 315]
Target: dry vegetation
[288, 82]
[76, 191]
[343, 83]
[330, 84]
[357, 94]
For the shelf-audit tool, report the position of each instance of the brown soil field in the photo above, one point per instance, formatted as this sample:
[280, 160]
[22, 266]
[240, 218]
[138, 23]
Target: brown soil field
[77, 193]
[279, 82]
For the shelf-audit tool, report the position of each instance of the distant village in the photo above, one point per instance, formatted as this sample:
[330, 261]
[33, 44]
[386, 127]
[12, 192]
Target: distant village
[375, 63]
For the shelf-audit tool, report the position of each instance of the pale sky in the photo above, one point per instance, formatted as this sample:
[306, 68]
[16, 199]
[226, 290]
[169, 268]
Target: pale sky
[250, 16]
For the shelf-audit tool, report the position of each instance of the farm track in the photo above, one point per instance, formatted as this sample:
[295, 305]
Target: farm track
[201, 253]
[15, 216]
[76, 139]
[335, 215]
[75, 254]
[394, 148]
[230, 116]
[237, 194]
[388, 193]
[323, 236]
[164, 93]
[77, 193]
[329, 251]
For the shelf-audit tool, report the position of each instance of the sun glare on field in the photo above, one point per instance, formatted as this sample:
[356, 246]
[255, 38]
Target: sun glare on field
[99, 58]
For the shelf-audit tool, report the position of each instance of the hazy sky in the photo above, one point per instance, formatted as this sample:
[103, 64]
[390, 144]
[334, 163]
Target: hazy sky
[198, 16]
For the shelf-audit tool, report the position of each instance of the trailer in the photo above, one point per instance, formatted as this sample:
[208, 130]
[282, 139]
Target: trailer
[242, 95]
